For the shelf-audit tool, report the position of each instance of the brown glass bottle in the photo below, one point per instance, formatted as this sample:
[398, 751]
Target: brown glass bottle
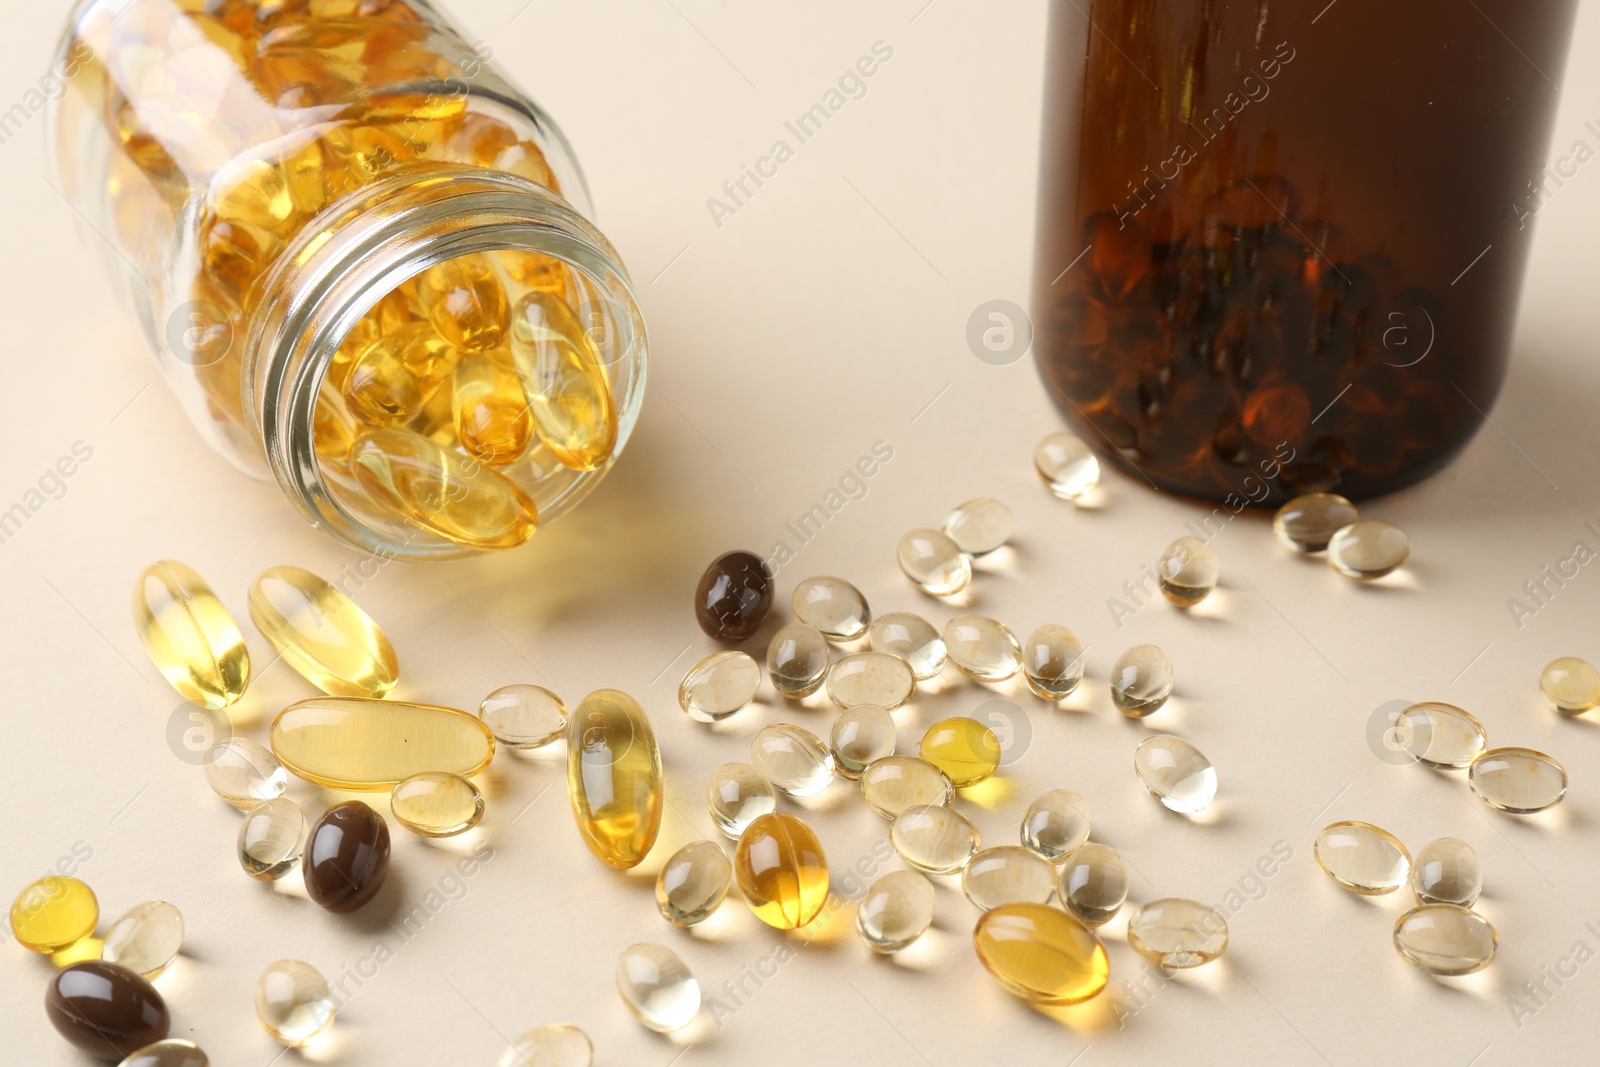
[1280, 244]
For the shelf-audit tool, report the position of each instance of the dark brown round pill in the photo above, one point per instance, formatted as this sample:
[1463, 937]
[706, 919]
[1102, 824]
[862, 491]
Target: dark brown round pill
[346, 857]
[735, 594]
[106, 1010]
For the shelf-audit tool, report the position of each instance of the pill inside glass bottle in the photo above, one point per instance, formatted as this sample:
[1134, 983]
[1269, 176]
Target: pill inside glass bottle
[364, 260]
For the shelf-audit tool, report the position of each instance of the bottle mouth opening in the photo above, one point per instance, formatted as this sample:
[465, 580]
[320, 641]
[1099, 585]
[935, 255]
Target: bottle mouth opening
[378, 248]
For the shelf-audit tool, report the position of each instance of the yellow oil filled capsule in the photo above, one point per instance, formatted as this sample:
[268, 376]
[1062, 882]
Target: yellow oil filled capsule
[492, 419]
[322, 634]
[963, 748]
[397, 374]
[614, 777]
[333, 431]
[1042, 954]
[442, 491]
[54, 913]
[189, 635]
[256, 193]
[465, 301]
[782, 870]
[543, 273]
[367, 744]
[565, 381]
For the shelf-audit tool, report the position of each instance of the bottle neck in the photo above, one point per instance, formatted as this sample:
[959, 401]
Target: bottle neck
[332, 274]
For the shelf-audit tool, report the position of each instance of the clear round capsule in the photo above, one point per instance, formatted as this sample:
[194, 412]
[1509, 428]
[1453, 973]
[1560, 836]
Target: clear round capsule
[1067, 465]
[979, 526]
[737, 796]
[913, 639]
[1368, 549]
[524, 716]
[1177, 933]
[657, 987]
[1362, 858]
[934, 839]
[1572, 685]
[871, 678]
[1307, 523]
[934, 562]
[797, 660]
[1440, 735]
[896, 910]
[895, 783]
[1519, 781]
[1175, 773]
[982, 648]
[1007, 874]
[146, 939]
[1093, 884]
[293, 1003]
[1445, 939]
[552, 1045]
[793, 759]
[832, 605]
[1052, 661]
[722, 684]
[1446, 871]
[1188, 571]
[171, 1052]
[272, 839]
[861, 735]
[692, 882]
[1056, 824]
[244, 773]
[1141, 681]
[437, 804]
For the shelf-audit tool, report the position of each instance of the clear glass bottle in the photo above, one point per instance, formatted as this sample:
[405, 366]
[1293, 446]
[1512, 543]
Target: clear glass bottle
[364, 260]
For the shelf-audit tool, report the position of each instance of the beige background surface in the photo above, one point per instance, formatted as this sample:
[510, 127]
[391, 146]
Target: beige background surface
[826, 315]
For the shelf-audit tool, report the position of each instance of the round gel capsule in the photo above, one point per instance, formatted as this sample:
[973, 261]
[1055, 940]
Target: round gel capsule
[871, 678]
[1440, 735]
[1175, 773]
[1520, 781]
[146, 939]
[1177, 933]
[861, 735]
[1055, 824]
[1362, 858]
[1446, 871]
[437, 804]
[692, 882]
[244, 773]
[1052, 661]
[1572, 685]
[105, 1010]
[1307, 523]
[894, 783]
[524, 716]
[934, 562]
[734, 596]
[832, 605]
[896, 910]
[1141, 681]
[1445, 939]
[293, 1003]
[722, 684]
[1187, 571]
[54, 913]
[1041, 954]
[797, 660]
[1094, 883]
[913, 639]
[552, 1045]
[980, 525]
[657, 987]
[793, 759]
[782, 871]
[738, 795]
[169, 1053]
[982, 648]
[1006, 874]
[1368, 549]
[1067, 465]
[934, 839]
[963, 748]
[272, 839]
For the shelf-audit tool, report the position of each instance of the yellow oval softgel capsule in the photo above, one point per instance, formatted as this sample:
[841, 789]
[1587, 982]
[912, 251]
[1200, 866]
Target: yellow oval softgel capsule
[1042, 954]
[614, 777]
[54, 913]
[565, 381]
[782, 870]
[189, 635]
[321, 633]
[367, 744]
[437, 804]
[963, 748]
[443, 491]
